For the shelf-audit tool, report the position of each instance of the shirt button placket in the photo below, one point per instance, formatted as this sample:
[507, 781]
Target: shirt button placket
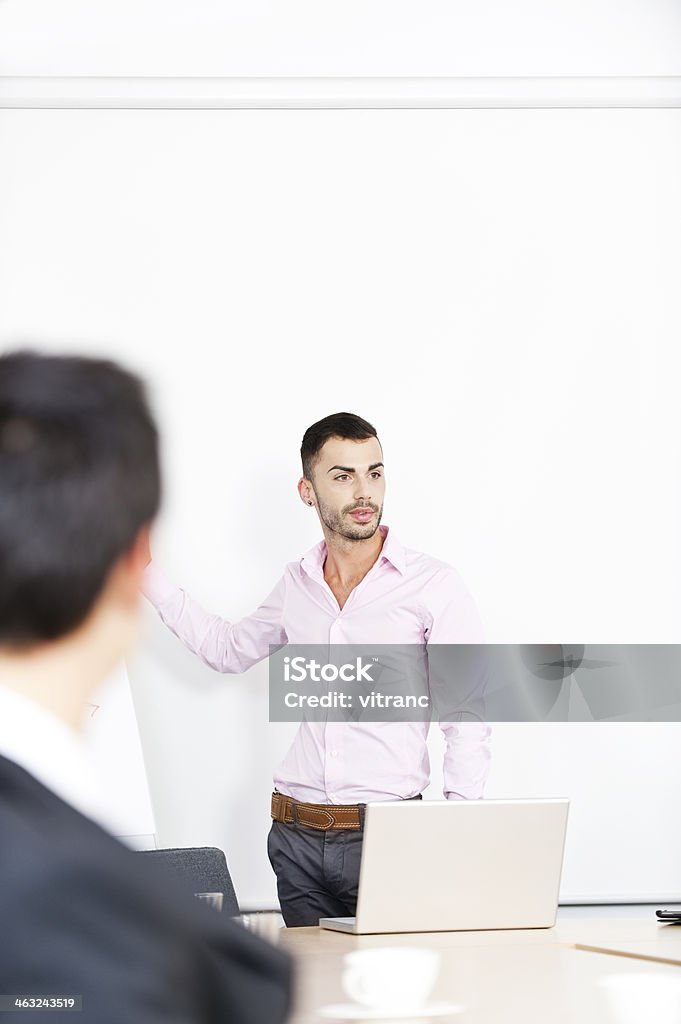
[334, 769]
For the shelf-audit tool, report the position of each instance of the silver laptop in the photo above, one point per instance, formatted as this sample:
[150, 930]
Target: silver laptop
[431, 866]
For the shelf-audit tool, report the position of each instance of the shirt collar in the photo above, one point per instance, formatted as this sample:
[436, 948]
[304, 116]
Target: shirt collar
[48, 749]
[392, 551]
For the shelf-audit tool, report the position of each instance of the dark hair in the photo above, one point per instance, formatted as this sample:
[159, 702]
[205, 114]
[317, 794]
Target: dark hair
[79, 477]
[340, 424]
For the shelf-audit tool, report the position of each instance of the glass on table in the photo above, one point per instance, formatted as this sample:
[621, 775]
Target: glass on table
[213, 899]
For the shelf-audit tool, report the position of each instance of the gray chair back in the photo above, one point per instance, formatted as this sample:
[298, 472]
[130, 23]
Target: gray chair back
[197, 869]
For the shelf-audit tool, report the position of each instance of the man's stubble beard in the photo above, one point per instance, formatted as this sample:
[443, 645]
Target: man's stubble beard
[333, 521]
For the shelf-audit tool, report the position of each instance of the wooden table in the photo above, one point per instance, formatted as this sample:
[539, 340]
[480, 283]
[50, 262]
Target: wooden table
[529, 977]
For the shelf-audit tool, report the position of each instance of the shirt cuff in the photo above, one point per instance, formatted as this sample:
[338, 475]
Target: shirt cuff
[155, 585]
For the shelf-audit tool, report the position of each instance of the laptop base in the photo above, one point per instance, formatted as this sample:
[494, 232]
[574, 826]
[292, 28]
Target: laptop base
[339, 924]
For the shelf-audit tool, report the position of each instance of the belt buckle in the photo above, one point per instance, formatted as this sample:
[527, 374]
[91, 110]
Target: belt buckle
[278, 807]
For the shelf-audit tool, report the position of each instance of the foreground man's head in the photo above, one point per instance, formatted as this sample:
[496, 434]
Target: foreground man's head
[79, 486]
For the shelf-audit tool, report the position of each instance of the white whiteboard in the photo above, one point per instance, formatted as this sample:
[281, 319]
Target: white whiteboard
[624, 834]
[497, 291]
[116, 755]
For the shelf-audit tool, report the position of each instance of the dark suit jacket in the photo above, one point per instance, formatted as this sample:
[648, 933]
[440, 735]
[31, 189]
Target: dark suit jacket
[80, 914]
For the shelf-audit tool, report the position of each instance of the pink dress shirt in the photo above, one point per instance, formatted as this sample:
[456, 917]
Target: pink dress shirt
[406, 597]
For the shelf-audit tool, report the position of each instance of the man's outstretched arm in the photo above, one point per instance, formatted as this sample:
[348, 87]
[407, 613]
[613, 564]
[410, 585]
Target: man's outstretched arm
[223, 645]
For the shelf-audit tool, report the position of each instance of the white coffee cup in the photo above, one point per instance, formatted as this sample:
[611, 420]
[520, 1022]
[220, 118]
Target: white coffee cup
[390, 978]
[639, 996]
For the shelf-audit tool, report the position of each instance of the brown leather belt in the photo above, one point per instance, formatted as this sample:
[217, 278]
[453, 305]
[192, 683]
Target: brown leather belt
[319, 816]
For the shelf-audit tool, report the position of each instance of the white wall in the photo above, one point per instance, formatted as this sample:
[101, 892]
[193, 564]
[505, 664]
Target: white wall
[497, 291]
[356, 37]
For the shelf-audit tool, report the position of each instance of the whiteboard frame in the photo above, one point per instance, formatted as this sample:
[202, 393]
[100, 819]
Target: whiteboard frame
[181, 93]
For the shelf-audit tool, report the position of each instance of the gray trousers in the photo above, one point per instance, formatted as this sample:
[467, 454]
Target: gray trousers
[317, 872]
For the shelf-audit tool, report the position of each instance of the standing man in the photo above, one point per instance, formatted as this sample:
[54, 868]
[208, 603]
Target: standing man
[82, 916]
[359, 585]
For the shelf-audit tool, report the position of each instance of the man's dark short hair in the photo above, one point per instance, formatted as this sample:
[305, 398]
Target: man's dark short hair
[79, 477]
[345, 425]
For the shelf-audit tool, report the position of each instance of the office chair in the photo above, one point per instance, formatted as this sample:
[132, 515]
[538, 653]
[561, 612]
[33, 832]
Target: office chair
[198, 869]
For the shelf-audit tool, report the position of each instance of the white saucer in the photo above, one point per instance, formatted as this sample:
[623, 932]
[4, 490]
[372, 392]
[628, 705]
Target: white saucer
[352, 1011]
